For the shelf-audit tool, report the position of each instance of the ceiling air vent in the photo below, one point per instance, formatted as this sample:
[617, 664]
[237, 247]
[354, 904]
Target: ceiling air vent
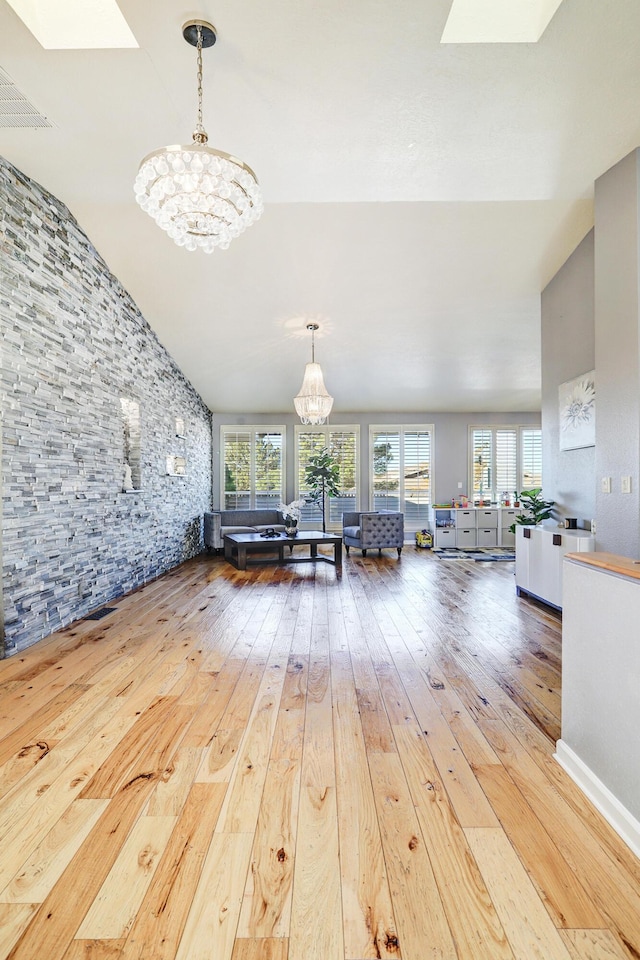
[15, 109]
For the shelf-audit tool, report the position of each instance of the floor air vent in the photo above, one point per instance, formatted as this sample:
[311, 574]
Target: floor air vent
[99, 614]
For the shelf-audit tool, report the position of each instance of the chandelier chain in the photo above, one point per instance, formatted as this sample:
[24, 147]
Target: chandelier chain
[200, 135]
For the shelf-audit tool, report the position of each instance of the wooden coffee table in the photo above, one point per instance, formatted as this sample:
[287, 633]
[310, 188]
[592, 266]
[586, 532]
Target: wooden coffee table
[245, 549]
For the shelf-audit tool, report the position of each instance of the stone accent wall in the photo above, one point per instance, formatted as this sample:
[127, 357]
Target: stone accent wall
[74, 345]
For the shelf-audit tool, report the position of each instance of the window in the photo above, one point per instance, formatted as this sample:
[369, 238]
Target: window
[504, 460]
[252, 467]
[344, 443]
[402, 471]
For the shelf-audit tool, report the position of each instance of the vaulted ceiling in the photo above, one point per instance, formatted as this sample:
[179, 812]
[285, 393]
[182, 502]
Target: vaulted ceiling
[418, 195]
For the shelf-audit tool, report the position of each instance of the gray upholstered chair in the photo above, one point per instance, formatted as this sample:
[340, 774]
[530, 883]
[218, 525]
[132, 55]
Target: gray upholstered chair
[371, 530]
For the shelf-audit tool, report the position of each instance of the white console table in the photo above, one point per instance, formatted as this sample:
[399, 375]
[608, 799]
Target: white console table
[600, 745]
[539, 554]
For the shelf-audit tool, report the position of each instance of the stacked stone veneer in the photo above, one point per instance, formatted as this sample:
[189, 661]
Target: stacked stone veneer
[73, 345]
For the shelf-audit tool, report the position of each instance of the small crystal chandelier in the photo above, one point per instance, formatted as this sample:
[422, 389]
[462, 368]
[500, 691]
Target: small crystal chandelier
[200, 196]
[313, 403]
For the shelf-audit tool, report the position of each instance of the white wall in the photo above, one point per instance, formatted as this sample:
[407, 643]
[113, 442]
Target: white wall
[600, 703]
[617, 345]
[568, 350]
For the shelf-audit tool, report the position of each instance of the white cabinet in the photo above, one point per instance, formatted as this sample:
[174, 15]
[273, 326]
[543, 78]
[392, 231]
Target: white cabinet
[442, 525]
[507, 518]
[487, 517]
[487, 522]
[465, 536]
[487, 536]
[600, 746]
[472, 526]
[539, 554]
[445, 537]
[465, 520]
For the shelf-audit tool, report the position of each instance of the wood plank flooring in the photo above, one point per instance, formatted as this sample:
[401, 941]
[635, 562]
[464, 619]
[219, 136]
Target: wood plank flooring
[281, 764]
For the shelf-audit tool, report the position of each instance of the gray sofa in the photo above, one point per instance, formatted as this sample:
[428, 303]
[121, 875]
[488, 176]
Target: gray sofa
[373, 530]
[219, 522]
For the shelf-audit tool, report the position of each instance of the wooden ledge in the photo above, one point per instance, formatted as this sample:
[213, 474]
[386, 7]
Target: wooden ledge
[611, 562]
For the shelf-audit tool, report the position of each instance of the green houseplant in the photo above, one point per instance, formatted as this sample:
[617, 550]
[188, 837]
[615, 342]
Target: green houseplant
[322, 477]
[538, 509]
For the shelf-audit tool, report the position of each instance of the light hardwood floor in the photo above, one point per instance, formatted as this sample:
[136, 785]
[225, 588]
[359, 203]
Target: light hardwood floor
[282, 765]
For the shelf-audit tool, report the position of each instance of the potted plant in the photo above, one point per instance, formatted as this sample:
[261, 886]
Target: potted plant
[322, 477]
[538, 509]
[291, 513]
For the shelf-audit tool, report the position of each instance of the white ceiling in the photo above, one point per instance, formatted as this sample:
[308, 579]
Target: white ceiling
[418, 195]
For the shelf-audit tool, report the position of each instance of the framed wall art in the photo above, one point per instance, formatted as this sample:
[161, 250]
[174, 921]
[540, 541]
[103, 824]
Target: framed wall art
[577, 412]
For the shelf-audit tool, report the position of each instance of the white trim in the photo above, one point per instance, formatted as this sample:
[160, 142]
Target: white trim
[325, 430]
[622, 821]
[401, 429]
[252, 428]
[493, 428]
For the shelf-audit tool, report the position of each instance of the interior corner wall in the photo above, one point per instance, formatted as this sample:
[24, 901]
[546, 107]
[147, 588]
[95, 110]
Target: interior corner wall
[617, 351]
[568, 350]
[73, 345]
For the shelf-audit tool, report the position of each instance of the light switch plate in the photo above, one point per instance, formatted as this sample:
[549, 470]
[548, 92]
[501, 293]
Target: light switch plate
[606, 484]
[625, 484]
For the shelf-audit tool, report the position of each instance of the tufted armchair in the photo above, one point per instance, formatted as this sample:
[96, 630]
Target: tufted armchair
[373, 531]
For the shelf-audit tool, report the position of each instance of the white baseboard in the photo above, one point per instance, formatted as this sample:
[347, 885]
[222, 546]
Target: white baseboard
[625, 825]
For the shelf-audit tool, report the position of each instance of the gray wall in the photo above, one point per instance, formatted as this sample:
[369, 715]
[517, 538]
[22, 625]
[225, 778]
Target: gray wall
[74, 344]
[617, 323]
[568, 350]
[450, 453]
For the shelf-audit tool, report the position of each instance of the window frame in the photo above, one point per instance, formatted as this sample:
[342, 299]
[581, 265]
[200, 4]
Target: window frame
[325, 430]
[494, 428]
[402, 429]
[253, 429]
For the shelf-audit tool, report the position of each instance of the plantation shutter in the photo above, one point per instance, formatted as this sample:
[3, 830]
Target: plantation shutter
[505, 460]
[236, 460]
[401, 471]
[506, 470]
[268, 470]
[252, 468]
[343, 445]
[385, 447]
[482, 463]
[310, 442]
[531, 459]
[417, 476]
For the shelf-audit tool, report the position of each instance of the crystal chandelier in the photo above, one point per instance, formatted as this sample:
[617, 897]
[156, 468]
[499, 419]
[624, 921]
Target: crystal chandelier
[313, 403]
[200, 196]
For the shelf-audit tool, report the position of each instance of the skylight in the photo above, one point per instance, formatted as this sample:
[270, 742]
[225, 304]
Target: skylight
[75, 24]
[498, 21]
